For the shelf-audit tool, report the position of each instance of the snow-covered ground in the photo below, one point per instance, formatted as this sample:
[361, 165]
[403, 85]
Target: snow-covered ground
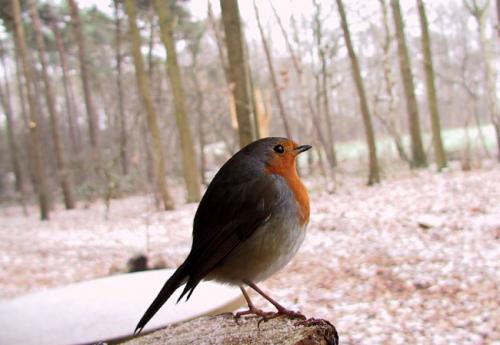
[414, 260]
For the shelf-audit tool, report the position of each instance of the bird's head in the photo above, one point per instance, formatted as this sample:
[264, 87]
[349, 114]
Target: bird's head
[278, 154]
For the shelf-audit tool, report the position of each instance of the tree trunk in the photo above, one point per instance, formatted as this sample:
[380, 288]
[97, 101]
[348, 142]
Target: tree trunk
[437, 141]
[89, 103]
[119, 87]
[144, 88]
[199, 105]
[418, 158]
[11, 132]
[237, 70]
[190, 170]
[224, 329]
[274, 82]
[225, 67]
[71, 109]
[480, 12]
[498, 29]
[305, 98]
[374, 176]
[24, 113]
[64, 176]
[391, 121]
[34, 125]
[323, 88]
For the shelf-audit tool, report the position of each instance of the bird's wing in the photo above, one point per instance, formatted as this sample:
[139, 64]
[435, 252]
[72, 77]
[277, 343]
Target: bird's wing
[228, 215]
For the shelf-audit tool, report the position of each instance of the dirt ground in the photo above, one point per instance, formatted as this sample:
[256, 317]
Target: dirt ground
[414, 260]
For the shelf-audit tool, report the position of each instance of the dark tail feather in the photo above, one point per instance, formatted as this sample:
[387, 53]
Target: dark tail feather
[166, 291]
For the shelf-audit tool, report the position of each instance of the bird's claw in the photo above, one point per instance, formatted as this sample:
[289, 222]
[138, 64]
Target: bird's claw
[253, 311]
[268, 315]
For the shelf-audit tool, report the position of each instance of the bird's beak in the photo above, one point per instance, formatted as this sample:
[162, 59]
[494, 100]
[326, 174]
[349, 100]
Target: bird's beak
[302, 148]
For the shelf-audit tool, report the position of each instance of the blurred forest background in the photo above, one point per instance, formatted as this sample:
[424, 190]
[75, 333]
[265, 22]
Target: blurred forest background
[93, 109]
[113, 111]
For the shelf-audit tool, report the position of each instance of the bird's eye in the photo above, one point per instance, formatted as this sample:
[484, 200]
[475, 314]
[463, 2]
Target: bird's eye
[279, 149]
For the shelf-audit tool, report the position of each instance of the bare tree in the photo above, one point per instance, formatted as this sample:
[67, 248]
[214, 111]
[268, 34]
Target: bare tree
[418, 158]
[69, 97]
[373, 176]
[305, 97]
[38, 160]
[272, 74]
[5, 101]
[390, 121]
[479, 9]
[323, 84]
[498, 17]
[199, 104]
[84, 74]
[237, 70]
[225, 65]
[437, 141]
[190, 170]
[119, 89]
[64, 176]
[152, 118]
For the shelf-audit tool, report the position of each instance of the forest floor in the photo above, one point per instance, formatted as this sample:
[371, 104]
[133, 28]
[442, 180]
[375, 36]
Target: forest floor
[414, 260]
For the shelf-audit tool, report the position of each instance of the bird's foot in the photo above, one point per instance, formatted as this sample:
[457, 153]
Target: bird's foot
[253, 311]
[282, 311]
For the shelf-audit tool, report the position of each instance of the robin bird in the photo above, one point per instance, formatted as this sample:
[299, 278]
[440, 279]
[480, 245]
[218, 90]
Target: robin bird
[249, 224]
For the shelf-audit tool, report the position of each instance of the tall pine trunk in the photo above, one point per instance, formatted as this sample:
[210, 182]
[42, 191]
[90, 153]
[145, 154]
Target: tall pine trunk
[71, 109]
[119, 89]
[437, 141]
[11, 132]
[64, 176]
[418, 158]
[190, 170]
[84, 74]
[34, 124]
[374, 175]
[144, 88]
[238, 70]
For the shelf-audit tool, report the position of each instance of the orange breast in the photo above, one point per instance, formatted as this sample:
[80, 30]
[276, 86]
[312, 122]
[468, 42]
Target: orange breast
[288, 170]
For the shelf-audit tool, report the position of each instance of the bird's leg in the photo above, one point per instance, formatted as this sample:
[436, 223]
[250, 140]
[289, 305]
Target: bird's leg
[251, 308]
[281, 310]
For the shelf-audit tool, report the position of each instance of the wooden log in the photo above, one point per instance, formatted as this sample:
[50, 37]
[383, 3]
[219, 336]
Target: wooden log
[225, 329]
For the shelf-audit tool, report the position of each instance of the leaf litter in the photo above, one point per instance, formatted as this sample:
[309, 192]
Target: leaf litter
[414, 260]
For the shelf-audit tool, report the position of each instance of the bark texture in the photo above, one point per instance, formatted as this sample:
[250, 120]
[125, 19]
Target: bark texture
[190, 170]
[152, 118]
[64, 175]
[225, 330]
[374, 175]
[440, 155]
[33, 124]
[237, 70]
[418, 158]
